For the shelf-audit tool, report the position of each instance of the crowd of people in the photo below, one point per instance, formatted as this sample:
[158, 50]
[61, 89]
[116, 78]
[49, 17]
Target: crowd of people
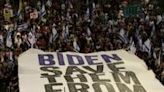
[80, 26]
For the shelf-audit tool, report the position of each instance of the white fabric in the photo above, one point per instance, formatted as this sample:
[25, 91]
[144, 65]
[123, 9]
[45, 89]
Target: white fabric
[75, 45]
[32, 80]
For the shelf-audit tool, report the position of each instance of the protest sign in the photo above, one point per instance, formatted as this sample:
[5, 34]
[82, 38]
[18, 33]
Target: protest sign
[132, 10]
[114, 71]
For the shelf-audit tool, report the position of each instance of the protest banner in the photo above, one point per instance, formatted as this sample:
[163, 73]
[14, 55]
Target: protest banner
[132, 10]
[112, 71]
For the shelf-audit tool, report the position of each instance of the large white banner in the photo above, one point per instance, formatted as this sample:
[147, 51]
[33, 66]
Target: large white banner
[114, 71]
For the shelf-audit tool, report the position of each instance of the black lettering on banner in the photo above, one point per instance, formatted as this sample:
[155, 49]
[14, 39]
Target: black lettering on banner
[46, 59]
[97, 88]
[95, 78]
[99, 68]
[60, 58]
[139, 88]
[123, 88]
[114, 68]
[49, 87]
[71, 59]
[126, 78]
[51, 78]
[108, 58]
[91, 58]
[51, 69]
[116, 77]
[71, 69]
[75, 76]
[73, 87]
[81, 77]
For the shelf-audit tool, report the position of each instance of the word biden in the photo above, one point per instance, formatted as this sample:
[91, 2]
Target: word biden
[69, 59]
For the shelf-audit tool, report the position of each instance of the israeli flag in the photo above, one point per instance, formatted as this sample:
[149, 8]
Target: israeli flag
[147, 46]
[75, 45]
[43, 11]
